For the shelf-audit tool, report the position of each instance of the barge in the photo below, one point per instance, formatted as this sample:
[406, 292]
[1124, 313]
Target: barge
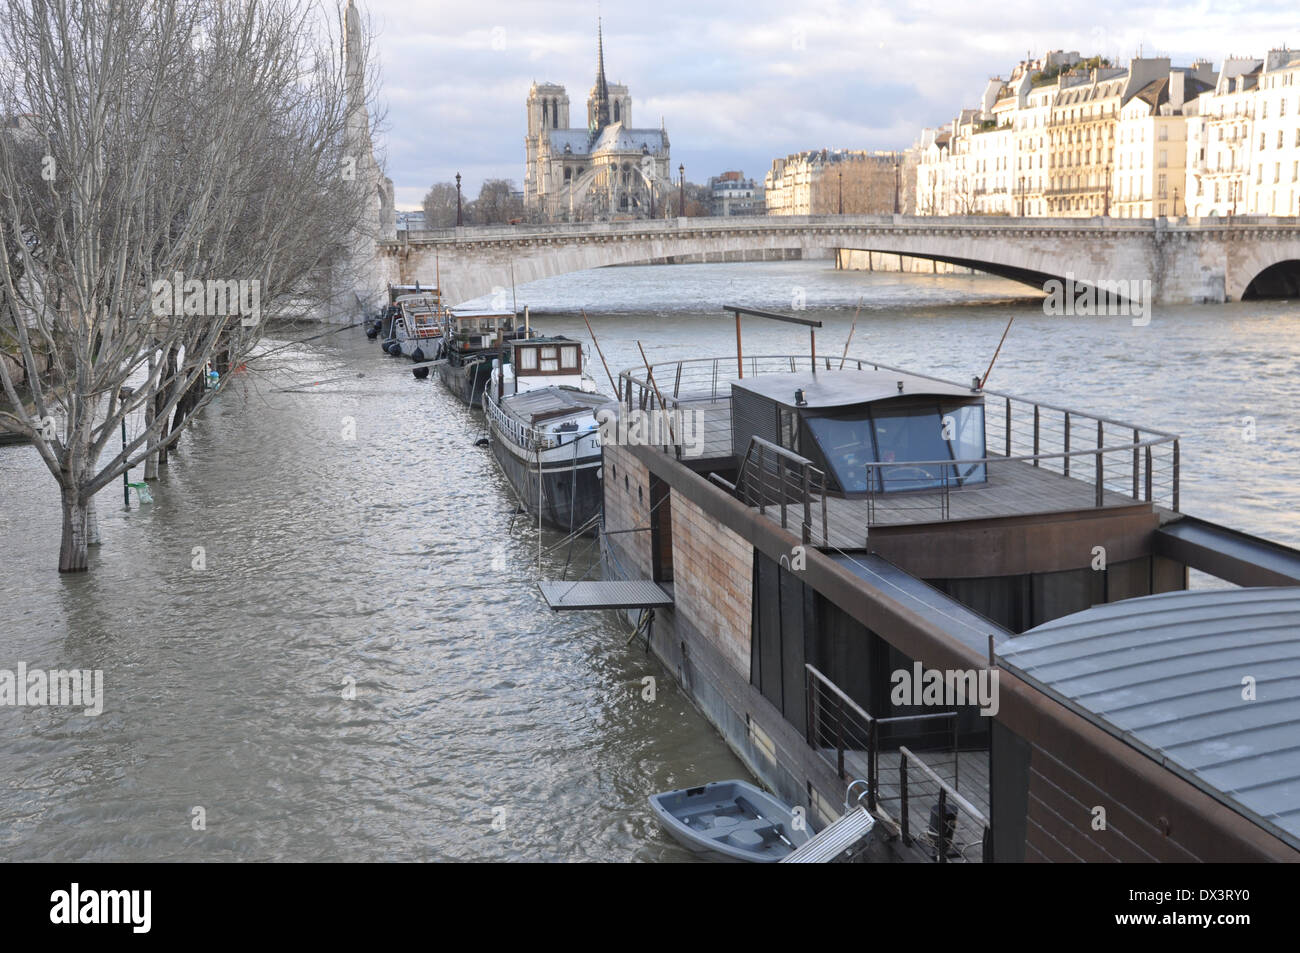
[541, 411]
[473, 341]
[974, 606]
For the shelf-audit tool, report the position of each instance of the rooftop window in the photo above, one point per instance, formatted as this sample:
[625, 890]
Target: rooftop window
[908, 437]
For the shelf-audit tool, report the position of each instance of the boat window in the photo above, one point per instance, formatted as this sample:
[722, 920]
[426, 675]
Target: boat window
[788, 429]
[550, 358]
[908, 437]
[907, 440]
[967, 439]
[569, 355]
[528, 358]
[848, 446]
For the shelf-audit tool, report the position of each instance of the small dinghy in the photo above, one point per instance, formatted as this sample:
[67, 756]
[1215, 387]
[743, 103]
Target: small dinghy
[730, 820]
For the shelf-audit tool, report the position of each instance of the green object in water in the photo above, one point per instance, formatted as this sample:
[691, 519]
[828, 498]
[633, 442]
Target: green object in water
[142, 492]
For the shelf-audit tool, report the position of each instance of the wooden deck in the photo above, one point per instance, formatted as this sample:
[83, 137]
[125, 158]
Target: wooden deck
[1014, 488]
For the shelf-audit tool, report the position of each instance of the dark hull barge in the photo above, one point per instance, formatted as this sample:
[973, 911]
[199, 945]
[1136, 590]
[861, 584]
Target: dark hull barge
[975, 606]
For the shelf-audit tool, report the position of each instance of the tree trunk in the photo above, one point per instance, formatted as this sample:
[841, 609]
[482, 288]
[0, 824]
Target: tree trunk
[72, 552]
[169, 373]
[150, 414]
[92, 524]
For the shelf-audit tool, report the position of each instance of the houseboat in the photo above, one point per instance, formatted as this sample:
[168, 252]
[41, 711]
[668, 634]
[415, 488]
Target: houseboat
[473, 341]
[974, 606]
[380, 325]
[541, 409]
[416, 329]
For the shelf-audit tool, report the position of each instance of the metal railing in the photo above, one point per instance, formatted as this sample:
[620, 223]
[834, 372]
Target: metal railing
[918, 780]
[773, 476]
[1138, 463]
[528, 438]
[842, 732]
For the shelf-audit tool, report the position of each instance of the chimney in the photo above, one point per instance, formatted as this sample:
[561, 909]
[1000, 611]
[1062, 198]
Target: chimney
[1177, 90]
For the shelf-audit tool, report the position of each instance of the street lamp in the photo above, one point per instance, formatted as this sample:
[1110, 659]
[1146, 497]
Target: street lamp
[841, 191]
[897, 187]
[460, 216]
[681, 190]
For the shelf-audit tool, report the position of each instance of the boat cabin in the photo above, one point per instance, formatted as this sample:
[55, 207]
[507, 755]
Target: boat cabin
[869, 431]
[479, 330]
[400, 291]
[421, 314]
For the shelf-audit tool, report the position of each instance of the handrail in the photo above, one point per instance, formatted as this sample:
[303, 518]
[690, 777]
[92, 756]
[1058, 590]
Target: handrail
[925, 769]
[835, 690]
[806, 470]
[861, 362]
[530, 438]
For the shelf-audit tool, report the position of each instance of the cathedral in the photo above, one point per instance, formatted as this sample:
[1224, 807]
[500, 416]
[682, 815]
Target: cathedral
[608, 171]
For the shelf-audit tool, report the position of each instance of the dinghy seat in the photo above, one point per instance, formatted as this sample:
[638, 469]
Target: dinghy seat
[750, 833]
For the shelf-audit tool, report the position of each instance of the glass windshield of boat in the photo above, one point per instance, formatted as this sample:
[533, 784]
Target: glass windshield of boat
[906, 438]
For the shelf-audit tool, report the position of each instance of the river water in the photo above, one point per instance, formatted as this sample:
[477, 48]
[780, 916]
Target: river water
[354, 537]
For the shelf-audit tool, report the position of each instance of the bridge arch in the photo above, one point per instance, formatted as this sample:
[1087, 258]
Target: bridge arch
[1279, 280]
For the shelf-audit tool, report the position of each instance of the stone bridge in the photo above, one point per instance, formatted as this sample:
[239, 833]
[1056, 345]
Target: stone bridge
[1186, 260]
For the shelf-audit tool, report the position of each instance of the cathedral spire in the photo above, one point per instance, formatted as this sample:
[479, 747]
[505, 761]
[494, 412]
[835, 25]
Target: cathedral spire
[600, 115]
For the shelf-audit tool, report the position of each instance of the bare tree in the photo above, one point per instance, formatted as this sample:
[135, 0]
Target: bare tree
[179, 174]
[440, 205]
[497, 204]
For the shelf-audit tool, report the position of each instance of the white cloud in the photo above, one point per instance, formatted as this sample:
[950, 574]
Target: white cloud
[741, 83]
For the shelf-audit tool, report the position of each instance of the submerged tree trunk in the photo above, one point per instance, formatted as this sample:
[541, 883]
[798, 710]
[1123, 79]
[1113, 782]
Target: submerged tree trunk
[150, 414]
[169, 375]
[72, 551]
[92, 524]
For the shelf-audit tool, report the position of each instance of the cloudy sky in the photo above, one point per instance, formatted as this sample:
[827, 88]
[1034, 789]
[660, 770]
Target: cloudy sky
[739, 83]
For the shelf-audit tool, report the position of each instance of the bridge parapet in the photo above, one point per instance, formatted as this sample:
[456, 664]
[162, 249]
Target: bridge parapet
[744, 224]
[1185, 260]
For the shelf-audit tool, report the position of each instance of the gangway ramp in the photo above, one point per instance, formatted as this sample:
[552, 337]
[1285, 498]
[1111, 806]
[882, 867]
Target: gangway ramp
[604, 594]
[824, 847]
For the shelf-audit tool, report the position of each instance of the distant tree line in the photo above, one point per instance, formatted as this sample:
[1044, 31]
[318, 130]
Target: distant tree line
[498, 203]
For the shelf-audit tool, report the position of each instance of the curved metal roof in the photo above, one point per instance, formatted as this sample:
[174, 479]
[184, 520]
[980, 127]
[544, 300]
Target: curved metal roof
[1167, 674]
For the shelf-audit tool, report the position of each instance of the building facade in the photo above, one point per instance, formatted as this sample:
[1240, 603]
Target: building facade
[831, 181]
[1069, 137]
[732, 194]
[608, 170]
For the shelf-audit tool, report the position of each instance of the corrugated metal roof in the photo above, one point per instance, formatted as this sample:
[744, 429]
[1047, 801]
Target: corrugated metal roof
[1166, 674]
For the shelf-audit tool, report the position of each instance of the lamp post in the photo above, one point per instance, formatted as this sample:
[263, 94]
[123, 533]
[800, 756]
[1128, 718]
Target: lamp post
[841, 191]
[460, 216]
[681, 190]
[897, 187]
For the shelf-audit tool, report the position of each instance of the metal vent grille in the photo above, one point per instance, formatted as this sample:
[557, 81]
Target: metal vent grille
[751, 416]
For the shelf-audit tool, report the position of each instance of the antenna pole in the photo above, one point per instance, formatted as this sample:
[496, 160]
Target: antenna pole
[599, 351]
[996, 353]
[650, 376]
[853, 328]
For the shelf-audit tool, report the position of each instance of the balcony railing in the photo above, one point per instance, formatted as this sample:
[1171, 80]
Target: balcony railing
[841, 731]
[1110, 462]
